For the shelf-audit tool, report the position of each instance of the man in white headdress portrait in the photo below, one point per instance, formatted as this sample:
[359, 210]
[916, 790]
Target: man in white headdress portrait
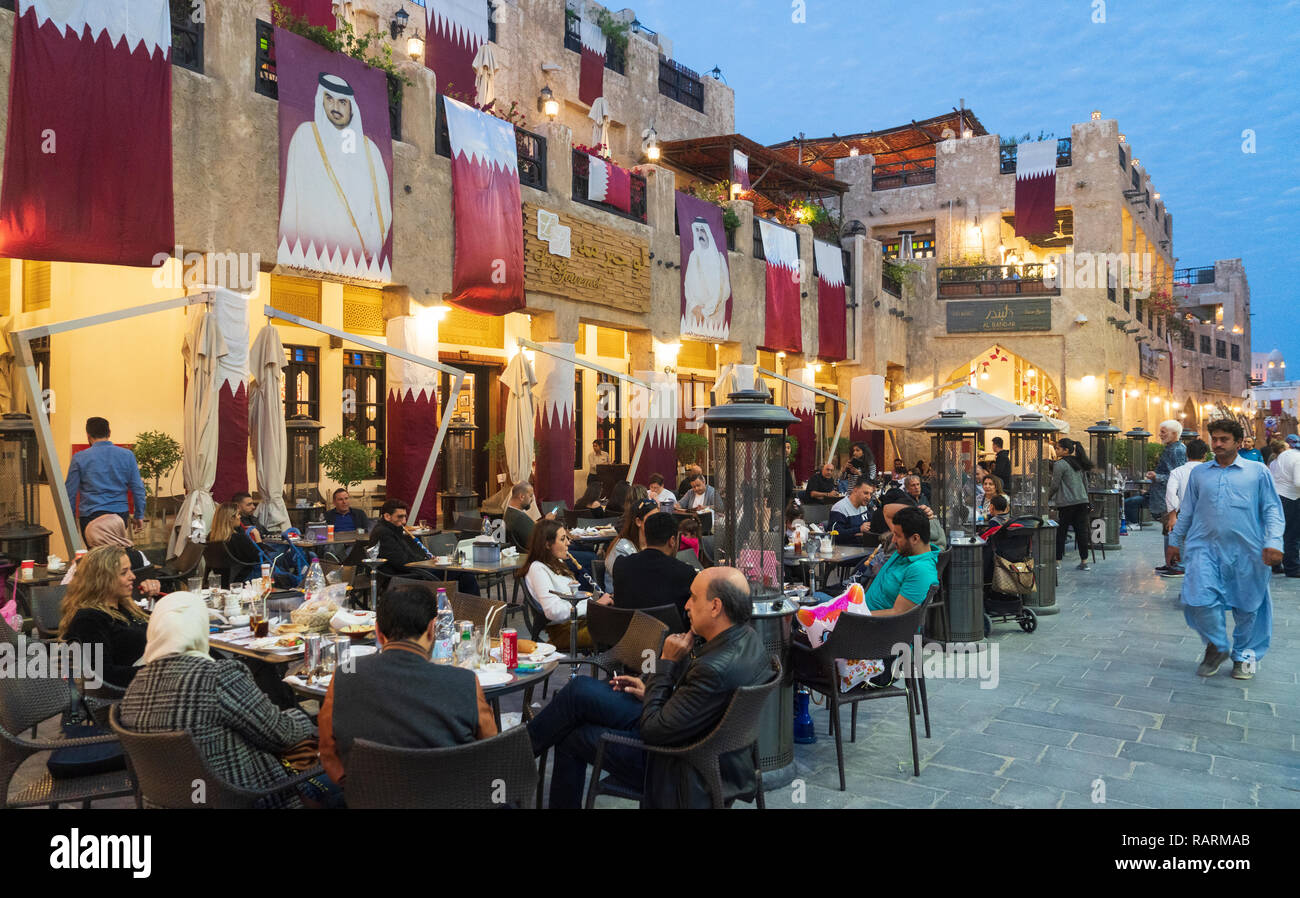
[707, 284]
[337, 200]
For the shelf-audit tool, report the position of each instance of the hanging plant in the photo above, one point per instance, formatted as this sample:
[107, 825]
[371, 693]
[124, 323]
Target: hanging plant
[730, 220]
[615, 31]
[371, 48]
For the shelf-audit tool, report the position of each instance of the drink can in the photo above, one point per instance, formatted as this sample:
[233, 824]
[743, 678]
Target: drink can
[81, 553]
[329, 532]
[29, 569]
[510, 647]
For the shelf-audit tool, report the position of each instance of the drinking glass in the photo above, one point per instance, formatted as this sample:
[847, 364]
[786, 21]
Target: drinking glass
[328, 657]
[194, 584]
[342, 652]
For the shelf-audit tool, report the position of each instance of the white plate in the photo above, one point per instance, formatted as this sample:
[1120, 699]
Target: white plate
[543, 649]
[492, 677]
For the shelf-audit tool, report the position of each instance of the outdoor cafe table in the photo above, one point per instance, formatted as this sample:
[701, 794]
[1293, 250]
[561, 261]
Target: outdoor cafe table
[491, 573]
[40, 577]
[817, 561]
[593, 541]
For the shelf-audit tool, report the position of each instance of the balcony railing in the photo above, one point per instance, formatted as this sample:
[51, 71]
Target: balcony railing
[532, 158]
[581, 167]
[907, 173]
[1064, 155]
[679, 83]
[1194, 276]
[996, 280]
[890, 284]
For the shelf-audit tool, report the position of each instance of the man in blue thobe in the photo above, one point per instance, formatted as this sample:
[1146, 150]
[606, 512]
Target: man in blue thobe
[1229, 533]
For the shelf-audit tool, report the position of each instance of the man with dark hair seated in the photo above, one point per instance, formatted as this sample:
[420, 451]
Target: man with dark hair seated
[399, 549]
[850, 518]
[654, 576]
[344, 517]
[246, 505]
[397, 697]
[909, 573]
[681, 701]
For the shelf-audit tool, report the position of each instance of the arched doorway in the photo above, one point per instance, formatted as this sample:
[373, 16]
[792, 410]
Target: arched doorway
[1008, 376]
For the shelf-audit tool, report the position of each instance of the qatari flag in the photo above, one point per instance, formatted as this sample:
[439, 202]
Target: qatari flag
[318, 13]
[608, 183]
[656, 409]
[412, 414]
[782, 329]
[488, 268]
[230, 311]
[1036, 188]
[553, 425]
[803, 405]
[740, 169]
[456, 29]
[831, 340]
[866, 400]
[88, 149]
[591, 75]
[706, 274]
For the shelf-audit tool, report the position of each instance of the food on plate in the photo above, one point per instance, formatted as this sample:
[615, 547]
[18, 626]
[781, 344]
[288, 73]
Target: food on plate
[356, 629]
[286, 629]
[289, 642]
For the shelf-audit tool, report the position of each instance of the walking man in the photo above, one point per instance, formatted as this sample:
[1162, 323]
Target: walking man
[1285, 469]
[1230, 529]
[1172, 457]
[102, 477]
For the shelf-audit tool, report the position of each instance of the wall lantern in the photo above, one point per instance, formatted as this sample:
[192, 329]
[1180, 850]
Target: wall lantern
[398, 24]
[547, 104]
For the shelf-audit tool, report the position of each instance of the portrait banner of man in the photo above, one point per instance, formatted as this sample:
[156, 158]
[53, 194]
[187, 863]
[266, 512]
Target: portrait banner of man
[706, 278]
[336, 162]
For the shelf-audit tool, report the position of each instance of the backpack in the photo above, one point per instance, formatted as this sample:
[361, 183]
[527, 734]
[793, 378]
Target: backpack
[288, 564]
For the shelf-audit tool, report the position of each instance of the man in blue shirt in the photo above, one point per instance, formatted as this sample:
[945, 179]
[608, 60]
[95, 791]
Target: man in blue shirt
[344, 517]
[1229, 531]
[101, 476]
[850, 517]
[907, 576]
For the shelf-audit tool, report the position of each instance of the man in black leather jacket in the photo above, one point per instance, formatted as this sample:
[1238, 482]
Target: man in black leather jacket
[399, 549]
[680, 701]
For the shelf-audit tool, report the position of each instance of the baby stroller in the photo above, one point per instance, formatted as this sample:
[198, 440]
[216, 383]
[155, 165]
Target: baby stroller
[1005, 590]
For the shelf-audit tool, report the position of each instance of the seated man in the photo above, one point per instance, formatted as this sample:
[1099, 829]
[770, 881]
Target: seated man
[692, 471]
[519, 526]
[654, 576]
[396, 697]
[244, 502]
[658, 493]
[907, 576]
[698, 494]
[850, 517]
[399, 549]
[344, 517]
[822, 486]
[681, 701]
[917, 489]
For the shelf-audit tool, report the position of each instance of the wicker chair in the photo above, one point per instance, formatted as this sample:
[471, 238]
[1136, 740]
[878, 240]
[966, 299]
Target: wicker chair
[637, 632]
[165, 767]
[463, 777]
[24, 703]
[737, 729]
[859, 636]
[175, 571]
[47, 604]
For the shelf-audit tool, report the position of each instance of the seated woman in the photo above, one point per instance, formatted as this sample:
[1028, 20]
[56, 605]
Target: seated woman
[110, 530]
[228, 529]
[548, 567]
[242, 736]
[631, 539]
[99, 609]
[590, 499]
[992, 487]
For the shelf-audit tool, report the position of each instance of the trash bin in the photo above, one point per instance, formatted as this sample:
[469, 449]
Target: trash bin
[772, 620]
[965, 593]
[1043, 598]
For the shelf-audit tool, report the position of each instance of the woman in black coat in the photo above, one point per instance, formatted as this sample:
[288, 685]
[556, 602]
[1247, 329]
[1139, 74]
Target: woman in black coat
[98, 610]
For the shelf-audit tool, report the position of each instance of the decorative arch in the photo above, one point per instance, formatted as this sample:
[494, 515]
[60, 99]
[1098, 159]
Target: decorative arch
[1009, 376]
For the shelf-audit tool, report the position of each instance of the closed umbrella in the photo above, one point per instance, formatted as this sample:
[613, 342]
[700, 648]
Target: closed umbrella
[266, 434]
[201, 351]
[599, 114]
[519, 380]
[985, 408]
[485, 75]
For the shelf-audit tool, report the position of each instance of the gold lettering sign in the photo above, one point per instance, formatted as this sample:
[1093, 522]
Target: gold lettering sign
[605, 266]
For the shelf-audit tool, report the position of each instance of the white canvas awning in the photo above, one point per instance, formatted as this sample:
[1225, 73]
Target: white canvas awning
[485, 75]
[987, 409]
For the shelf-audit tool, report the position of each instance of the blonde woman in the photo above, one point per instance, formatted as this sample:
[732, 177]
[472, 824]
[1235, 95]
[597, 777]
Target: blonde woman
[98, 609]
[228, 528]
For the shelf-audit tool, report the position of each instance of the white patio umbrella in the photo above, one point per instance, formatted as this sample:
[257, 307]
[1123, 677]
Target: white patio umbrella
[202, 348]
[266, 433]
[985, 408]
[485, 75]
[519, 380]
[599, 114]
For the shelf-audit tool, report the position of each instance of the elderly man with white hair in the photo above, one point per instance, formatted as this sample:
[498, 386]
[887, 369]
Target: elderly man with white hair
[1172, 457]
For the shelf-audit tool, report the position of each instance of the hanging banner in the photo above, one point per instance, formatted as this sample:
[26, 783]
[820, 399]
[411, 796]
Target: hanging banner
[609, 183]
[866, 400]
[591, 75]
[412, 414]
[706, 275]
[657, 410]
[803, 405]
[336, 162]
[740, 170]
[88, 147]
[488, 269]
[318, 13]
[230, 311]
[456, 29]
[831, 339]
[783, 328]
[554, 425]
[1036, 188]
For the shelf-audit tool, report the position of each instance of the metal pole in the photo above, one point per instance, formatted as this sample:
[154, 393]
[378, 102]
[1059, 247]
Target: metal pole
[839, 427]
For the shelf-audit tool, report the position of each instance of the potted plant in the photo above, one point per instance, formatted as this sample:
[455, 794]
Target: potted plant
[346, 461]
[157, 454]
[691, 448]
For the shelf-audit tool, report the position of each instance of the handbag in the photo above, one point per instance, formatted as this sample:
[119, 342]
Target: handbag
[1014, 578]
[84, 760]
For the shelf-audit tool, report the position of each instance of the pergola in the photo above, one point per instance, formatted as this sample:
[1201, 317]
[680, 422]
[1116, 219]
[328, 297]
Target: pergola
[903, 143]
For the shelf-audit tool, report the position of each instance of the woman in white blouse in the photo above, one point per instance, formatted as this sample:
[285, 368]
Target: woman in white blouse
[549, 566]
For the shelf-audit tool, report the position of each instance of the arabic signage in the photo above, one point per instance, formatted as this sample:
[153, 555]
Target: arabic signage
[1214, 379]
[1148, 356]
[999, 316]
[569, 256]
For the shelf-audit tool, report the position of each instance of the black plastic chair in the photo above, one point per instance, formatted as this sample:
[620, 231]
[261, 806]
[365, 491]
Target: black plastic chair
[938, 608]
[47, 602]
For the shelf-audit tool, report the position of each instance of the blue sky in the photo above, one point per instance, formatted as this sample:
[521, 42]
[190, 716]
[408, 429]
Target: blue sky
[1183, 79]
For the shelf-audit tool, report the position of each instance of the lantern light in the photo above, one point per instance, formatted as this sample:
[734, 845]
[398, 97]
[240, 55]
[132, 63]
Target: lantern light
[547, 104]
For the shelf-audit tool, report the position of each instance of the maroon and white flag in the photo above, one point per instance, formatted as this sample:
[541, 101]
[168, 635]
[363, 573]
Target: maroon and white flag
[88, 148]
[412, 414]
[336, 162]
[554, 425]
[740, 169]
[866, 400]
[318, 13]
[488, 268]
[831, 340]
[803, 405]
[706, 274]
[783, 329]
[455, 29]
[230, 312]
[656, 409]
[609, 183]
[591, 75]
[1036, 188]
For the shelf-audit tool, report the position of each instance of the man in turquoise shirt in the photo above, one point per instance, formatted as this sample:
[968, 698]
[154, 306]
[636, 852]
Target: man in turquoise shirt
[907, 576]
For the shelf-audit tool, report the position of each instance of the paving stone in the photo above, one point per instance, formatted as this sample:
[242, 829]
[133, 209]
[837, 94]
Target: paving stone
[1029, 734]
[1044, 775]
[1072, 722]
[1098, 765]
[1270, 739]
[1076, 801]
[1097, 745]
[1222, 731]
[966, 759]
[1027, 795]
[1257, 753]
[966, 802]
[911, 793]
[1263, 722]
[1168, 739]
[1276, 797]
[1178, 759]
[973, 785]
[1181, 782]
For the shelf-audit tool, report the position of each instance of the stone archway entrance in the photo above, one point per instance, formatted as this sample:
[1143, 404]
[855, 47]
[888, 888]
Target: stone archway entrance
[1008, 376]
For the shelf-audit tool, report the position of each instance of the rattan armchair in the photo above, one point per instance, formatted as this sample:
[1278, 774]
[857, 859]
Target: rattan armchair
[635, 633]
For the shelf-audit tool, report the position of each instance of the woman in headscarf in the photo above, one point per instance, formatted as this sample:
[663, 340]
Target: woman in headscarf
[99, 609]
[110, 530]
[239, 732]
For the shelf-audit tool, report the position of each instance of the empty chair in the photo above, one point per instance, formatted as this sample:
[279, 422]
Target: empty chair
[443, 543]
[46, 608]
[688, 556]
[625, 635]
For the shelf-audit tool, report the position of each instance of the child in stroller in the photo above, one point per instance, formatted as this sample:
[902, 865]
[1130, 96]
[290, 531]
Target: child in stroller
[1012, 542]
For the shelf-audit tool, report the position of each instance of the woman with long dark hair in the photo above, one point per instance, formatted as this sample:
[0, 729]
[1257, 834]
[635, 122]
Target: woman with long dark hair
[631, 539]
[1069, 496]
[548, 569]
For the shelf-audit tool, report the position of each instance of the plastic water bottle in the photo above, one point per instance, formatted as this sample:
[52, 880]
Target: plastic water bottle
[444, 626]
[314, 582]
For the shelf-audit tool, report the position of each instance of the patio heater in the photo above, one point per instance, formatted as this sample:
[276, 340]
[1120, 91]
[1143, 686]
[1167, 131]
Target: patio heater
[1030, 479]
[303, 473]
[955, 497]
[747, 437]
[1188, 435]
[459, 497]
[21, 534]
[1106, 499]
[1137, 467]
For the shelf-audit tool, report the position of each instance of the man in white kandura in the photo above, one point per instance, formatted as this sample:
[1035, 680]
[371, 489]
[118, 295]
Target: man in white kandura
[336, 189]
[707, 283]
